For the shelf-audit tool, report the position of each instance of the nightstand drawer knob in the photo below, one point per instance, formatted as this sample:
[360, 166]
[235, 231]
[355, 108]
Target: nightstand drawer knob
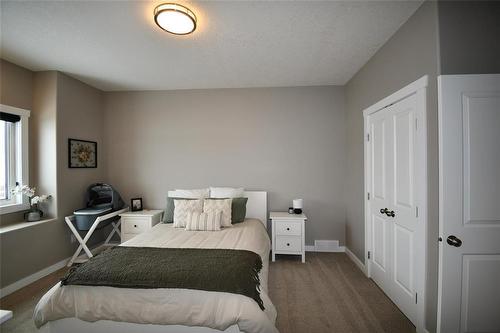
[135, 225]
[288, 229]
[287, 244]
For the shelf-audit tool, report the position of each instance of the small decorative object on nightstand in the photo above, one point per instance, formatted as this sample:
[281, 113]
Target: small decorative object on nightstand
[135, 223]
[288, 234]
[136, 204]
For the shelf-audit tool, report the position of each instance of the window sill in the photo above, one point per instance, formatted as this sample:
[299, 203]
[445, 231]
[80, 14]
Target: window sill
[14, 208]
[22, 225]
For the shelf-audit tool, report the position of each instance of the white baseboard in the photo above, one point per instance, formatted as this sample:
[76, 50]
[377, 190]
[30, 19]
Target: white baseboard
[356, 260]
[325, 246]
[7, 290]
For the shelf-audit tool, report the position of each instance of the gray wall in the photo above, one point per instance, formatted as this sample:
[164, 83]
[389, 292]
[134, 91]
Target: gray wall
[16, 89]
[287, 141]
[80, 116]
[469, 37]
[61, 107]
[408, 55]
[16, 85]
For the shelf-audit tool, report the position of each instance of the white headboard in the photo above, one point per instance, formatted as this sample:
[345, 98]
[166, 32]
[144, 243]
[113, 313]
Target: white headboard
[257, 205]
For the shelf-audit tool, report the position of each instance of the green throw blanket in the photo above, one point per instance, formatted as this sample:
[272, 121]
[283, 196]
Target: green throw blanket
[231, 271]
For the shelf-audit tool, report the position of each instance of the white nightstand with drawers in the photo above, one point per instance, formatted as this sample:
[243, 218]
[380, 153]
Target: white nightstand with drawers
[135, 223]
[288, 234]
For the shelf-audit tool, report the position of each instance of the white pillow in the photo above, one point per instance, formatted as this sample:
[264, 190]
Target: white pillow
[223, 205]
[204, 221]
[182, 208]
[190, 194]
[226, 192]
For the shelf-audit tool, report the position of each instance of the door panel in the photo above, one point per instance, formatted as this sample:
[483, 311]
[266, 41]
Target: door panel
[480, 293]
[403, 259]
[481, 143]
[403, 158]
[469, 164]
[378, 134]
[379, 242]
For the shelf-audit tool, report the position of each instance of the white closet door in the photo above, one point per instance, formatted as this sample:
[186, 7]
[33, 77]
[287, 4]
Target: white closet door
[402, 194]
[392, 206]
[469, 222]
[380, 135]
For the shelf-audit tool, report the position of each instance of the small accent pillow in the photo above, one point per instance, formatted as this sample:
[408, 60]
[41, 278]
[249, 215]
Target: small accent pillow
[238, 210]
[226, 192]
[224, 205]
[204, 221]
[182, 208]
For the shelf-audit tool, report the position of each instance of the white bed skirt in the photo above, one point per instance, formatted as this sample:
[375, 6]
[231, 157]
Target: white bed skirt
[75, 325]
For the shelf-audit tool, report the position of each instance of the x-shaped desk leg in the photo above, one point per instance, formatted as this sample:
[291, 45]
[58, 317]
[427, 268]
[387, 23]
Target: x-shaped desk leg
[80, 240]
[115, 230]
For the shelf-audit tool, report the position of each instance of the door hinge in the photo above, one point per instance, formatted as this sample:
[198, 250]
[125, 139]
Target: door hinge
[368, 137]
[368, 254]
[368, 195]
[416, 211]
[416, 298]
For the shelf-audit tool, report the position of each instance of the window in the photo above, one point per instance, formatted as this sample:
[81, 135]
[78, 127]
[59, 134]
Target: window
[13, 157]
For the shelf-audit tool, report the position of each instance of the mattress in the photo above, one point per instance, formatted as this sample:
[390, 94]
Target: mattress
[166, 306]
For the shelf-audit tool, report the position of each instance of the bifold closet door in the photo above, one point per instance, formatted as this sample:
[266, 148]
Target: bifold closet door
[392, 208]
[380, 129]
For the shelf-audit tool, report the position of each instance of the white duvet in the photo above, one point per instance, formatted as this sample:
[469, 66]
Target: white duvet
[166, 306]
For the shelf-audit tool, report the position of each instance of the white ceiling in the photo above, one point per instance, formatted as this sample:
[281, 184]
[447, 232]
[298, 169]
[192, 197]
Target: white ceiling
[115, 45]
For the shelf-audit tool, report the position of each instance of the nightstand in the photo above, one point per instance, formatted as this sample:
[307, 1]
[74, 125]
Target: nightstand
[135, 223]
[288, 234]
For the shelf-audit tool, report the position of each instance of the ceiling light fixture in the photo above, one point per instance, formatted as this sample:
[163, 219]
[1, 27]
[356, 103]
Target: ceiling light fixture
[175, 18]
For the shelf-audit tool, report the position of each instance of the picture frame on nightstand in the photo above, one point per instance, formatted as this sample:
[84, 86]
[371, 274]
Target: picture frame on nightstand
[136, 204]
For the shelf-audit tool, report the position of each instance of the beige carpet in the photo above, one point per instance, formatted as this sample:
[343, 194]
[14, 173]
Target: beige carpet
[326, 294]
[330, 294]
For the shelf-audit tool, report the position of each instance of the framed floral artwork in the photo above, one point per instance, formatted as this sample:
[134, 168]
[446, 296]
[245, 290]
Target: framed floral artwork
[82, 154]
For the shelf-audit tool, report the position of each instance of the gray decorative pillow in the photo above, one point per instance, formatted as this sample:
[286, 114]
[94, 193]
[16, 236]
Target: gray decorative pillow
[238, 210]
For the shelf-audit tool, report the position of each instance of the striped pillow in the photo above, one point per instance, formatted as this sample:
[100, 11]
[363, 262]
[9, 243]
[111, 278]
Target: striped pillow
[204, 221]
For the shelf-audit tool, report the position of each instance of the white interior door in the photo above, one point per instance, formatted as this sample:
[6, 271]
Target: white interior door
[392, 206]
[379, 127]
[403, 194]
[469, 222]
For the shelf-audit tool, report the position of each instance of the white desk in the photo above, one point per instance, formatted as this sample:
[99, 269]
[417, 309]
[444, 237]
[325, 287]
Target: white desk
[5, 315]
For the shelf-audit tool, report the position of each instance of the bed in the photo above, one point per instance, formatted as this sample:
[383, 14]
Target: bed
[90, 309]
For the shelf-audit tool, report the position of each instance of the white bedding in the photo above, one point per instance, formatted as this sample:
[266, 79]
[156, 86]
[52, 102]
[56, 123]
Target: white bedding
[168, 306]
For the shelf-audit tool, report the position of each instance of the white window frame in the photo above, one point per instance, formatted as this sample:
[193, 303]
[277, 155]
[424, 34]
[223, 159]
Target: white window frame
[20, 202]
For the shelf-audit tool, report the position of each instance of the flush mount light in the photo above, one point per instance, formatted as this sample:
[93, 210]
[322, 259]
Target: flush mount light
[175, 18]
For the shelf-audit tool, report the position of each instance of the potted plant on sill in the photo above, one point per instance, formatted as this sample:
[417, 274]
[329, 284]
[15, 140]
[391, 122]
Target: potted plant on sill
[34, 214]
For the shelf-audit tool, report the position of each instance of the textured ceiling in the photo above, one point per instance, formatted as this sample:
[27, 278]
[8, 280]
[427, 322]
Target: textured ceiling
[115, 45]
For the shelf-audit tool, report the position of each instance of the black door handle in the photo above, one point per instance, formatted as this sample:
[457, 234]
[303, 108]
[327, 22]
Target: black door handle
[454, 241]
[391, 213]
[383, 210]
